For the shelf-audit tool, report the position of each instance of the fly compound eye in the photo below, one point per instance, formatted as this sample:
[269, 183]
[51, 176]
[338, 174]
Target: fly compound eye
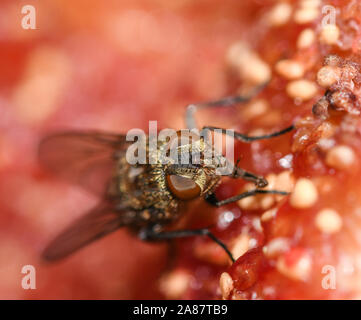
[183, 188]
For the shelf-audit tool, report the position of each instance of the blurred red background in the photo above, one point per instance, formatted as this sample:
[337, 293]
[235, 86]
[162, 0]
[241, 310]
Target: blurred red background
[110, 65]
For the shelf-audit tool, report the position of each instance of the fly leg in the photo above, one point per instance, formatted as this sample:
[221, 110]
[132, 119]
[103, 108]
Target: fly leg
[238, 172]
[225, 102]
[212, 199]
[150, 234]
[246, 138]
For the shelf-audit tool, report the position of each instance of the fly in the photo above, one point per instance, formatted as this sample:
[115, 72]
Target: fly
[145, 198]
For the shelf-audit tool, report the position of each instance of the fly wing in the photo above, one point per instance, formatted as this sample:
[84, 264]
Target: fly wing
[84, 158]
[95, 224]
